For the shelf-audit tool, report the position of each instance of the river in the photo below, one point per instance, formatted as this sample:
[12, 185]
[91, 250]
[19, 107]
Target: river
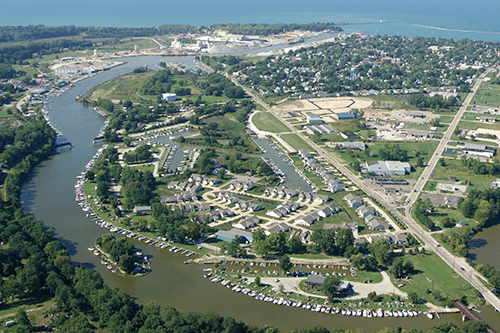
[49, 196]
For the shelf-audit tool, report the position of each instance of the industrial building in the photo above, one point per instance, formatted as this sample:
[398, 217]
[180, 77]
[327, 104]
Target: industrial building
[345, 115]
[478, 150]
[388, 167]
[229, 235]
[313, 118]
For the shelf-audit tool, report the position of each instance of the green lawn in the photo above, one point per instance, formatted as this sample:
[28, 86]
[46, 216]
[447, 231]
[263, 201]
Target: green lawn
[487, 95]
[296, 142]
[5, 114]
[266, 121]
[440, 212]
[473, 125]
[433, 274]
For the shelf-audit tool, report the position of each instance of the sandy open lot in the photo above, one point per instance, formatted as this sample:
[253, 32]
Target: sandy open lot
[301, 105]
[326, 106]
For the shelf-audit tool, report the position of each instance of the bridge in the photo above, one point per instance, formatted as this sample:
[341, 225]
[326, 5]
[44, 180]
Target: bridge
[469, 314]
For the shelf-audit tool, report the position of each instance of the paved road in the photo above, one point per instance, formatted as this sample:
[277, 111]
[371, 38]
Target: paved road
[459, 265]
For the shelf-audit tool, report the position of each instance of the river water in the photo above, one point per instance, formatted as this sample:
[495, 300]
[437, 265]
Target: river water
[49, 196]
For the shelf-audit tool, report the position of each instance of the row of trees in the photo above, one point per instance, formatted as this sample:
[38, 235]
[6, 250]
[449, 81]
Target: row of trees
[480, 168]
[422, 209]
[263, 29]
[393, 152]
[436, 102]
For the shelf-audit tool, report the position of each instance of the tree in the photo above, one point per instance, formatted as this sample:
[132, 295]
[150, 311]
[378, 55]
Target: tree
[257, 281]
[285, 263]
[381, 252]
[413, 297]
[330, 287]
[21, 318]
[400, 268]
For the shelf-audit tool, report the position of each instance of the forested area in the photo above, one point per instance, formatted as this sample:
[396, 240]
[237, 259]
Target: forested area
[483, 206]
[33, 32]
[27, 146]
[7, 71]
[393, 152]
[17, 54]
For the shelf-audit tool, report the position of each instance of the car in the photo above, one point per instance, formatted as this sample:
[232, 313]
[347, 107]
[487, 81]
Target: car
[462, 269]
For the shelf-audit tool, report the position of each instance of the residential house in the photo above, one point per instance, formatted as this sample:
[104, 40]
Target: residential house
[353, 201]
[306, 220]
[328, 210]
[363, 211]
[278, 227]
[247, 223]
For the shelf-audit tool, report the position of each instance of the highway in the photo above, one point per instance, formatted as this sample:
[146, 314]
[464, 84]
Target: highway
[459, 265]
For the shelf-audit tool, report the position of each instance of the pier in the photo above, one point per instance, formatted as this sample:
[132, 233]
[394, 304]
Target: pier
[67, 143]
[97, 138]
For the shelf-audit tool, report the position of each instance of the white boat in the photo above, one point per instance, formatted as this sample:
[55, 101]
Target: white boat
[430, 316]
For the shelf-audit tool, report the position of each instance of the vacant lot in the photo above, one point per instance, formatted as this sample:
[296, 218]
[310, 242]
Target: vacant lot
[266, 121]
[487, 95]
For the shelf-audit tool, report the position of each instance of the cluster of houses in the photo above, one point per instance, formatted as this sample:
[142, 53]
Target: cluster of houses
[245, 185]
[391, 239]
[309, 219]
[219, 213]
[189, 207]
[310, 163]
[282, 191]
[249, 206]
[227, 196]
[181, 197]
[373, 222]
[185, 186]
[202, 179]
[353, 226]
[283, 209]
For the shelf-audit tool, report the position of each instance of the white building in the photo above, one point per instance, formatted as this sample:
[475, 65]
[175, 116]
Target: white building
[169, 97]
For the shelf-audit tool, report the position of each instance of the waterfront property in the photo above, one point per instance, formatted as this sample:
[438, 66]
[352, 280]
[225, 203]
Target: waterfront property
[230, 235]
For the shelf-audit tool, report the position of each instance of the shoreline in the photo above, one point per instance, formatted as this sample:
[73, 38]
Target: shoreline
[454, 30]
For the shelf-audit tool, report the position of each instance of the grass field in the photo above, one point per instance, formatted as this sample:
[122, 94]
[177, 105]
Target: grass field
[296, 142]
[266, 121]
[456, 169]
[433, 274]
[123, 87]
[487, 95]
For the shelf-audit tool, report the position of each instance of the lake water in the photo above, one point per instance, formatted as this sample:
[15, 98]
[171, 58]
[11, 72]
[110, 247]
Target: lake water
[481, 15]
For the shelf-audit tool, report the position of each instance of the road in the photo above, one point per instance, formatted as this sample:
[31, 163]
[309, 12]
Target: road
[459, 265]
